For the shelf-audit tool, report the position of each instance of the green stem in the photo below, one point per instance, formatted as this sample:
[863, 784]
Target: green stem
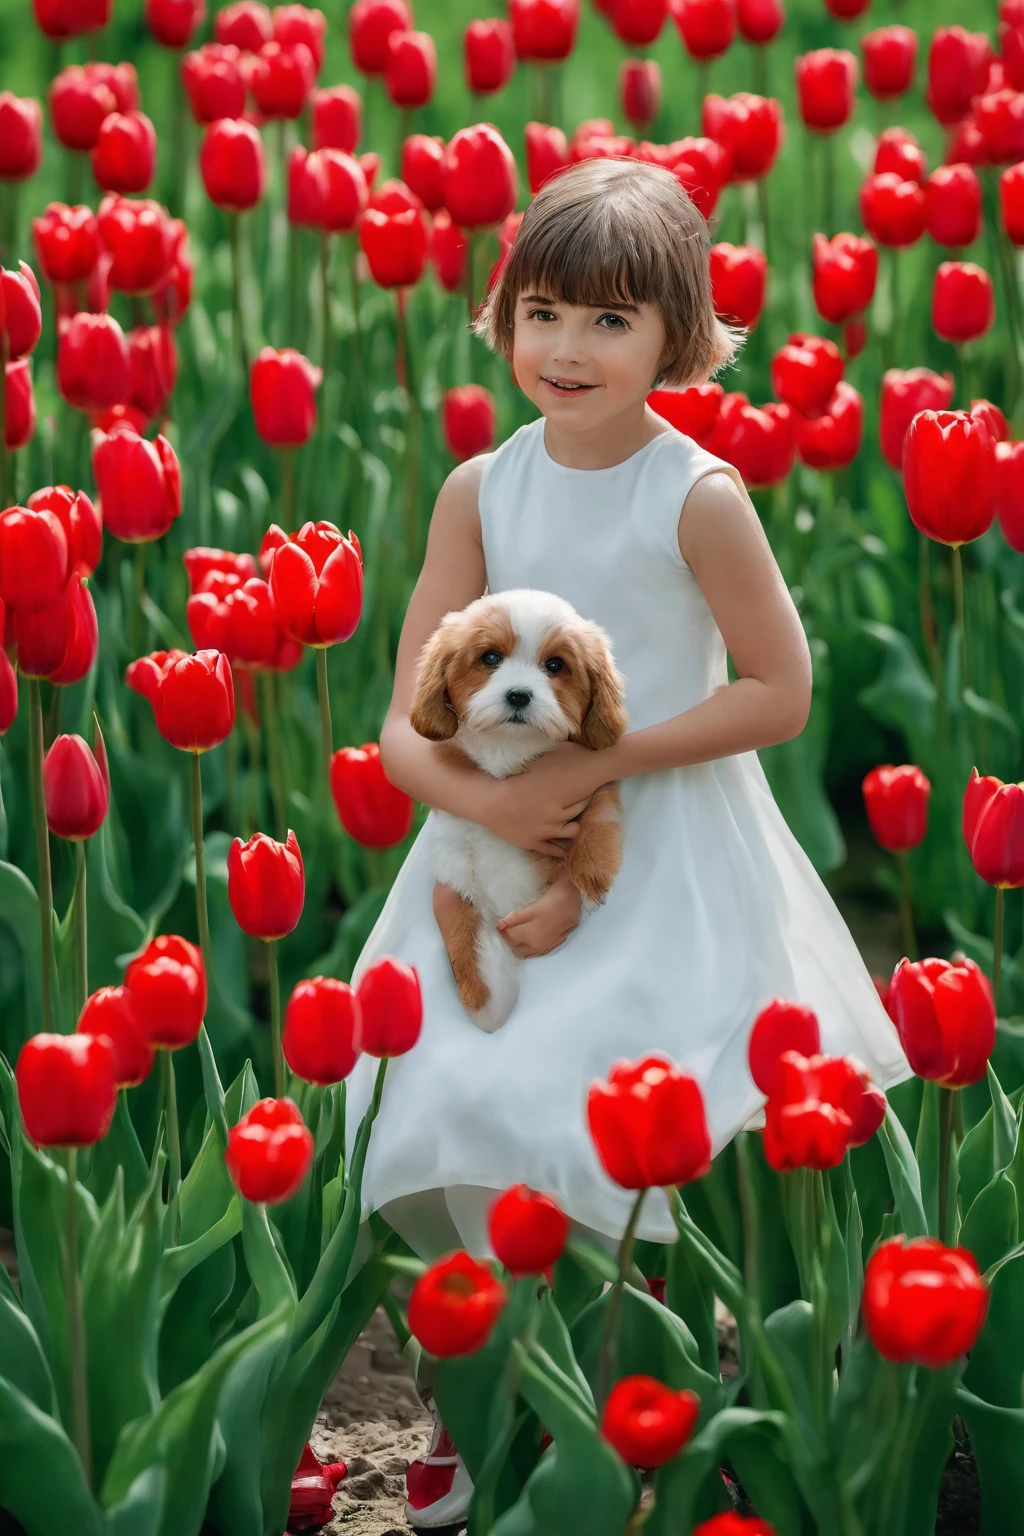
[81, 947]
[202, 918]
[412, 439]
[235, 229]
[760, 53]
[326, 732]
[906, 908]
[170, 1093]
[357, 333]
[6, 461]
[762, 205]
[275, 1021]
[42, 846]
[76, 1321]
[274, 753]
[958, 599]
[288, 454]
[294, 269]
[997, 945]
[138, 628]
[828, 171]
[947, 1100]
[748, 1209]
[325, 305]
[609, 1334]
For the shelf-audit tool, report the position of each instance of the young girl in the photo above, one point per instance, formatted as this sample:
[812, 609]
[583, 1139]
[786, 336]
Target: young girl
[716, 909]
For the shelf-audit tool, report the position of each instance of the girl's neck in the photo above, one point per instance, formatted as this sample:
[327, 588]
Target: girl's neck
[605, 445]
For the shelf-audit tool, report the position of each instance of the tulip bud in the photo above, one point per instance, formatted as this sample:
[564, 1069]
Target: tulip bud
[805, 373]
[393, 236]
[468, 420]
[897, 150]
[266, 885]
[707, 27]
[322, 1030]
[949, 476]
[233, 164]
[153, 368]
[423, 168]
[489, 55]
[195, 702]
[67, 240]
[702, 166]
[81, 99]
[92, 361]
[832, 439]
[993, 815]
[76, 787]
[904, 394]
[337, 118]
[139, 484]
[893, 210]
[953, 205]
[963, 301]
[648, 1124]
[19, 405]
[112, 1012]
[946, 1019]
[34, 557]
[543, 30]
[66, 1089]
[480, 177]
[896, 800]
[124, 156]
[301, 24]
[269, 1151]
[21, 137]
[637, 23]
[412, 68]
[212, 77]
[447, 251]
[167, 983]
[782, 1025]
[141, 240]
[647, 1422]
[281, 79]
[455, 1305]
[758, 441]
[889, 57]
[759, 21]
[923, 1302]
[1011, 202]
[957, 71]
[391, 1007]
[1000, 119]
[640, 90]
[372, 810]
[172, 22]
[845, 270]
[694, 411]
[8, 686]
[738, 275]
[527, 1230]
[1009, 493]
[281, 387]
[547, 151]
[59, 641]
[749, 128]
[825, 82]
[246, 24]
[21, 317]
[371, 23]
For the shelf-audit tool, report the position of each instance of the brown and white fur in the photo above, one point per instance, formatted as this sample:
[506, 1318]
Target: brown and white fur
[508, 677]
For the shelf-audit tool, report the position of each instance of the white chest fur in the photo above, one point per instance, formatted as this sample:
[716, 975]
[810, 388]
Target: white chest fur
[495, 876]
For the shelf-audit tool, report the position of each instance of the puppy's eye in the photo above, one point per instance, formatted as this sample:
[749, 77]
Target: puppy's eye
[491, 658]
[554, 665]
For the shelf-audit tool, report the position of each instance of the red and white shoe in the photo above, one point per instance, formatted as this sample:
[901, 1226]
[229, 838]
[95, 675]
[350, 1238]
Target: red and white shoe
[438, 1487]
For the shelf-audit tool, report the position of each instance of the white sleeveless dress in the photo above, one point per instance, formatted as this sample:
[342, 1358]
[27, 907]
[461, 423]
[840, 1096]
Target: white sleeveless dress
[716, 908]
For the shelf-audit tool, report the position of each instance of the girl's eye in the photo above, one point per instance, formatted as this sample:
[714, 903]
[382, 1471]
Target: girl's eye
[491, 658]
[540, 314]
[555, 664]
[619, 322]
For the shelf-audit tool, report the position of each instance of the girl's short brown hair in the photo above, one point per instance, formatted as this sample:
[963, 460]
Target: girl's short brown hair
[617, 231]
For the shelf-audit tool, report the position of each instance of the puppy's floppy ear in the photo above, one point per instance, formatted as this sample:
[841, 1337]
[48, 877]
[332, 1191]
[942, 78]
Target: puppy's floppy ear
[430, 713]
[605, 718]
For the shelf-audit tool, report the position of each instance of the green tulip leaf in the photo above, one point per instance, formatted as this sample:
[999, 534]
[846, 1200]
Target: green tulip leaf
[22, 1362]
[904, 1176]
[990, 1226]
[40, 1473]
[997, 1441]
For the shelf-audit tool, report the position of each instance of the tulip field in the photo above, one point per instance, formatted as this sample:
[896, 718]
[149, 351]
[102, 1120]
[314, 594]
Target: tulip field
[241, 249]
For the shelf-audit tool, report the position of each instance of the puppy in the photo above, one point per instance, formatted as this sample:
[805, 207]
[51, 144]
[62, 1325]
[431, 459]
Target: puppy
[508, 677]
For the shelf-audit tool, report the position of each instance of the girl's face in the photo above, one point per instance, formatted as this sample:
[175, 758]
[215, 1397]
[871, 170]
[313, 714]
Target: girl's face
[583, 366]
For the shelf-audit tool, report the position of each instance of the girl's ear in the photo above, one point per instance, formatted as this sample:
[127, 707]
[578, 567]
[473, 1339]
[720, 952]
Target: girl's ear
[431, 713]
[605, 719]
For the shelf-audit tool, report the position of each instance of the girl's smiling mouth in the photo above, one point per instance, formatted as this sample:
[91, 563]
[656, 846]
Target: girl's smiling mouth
[566, 386]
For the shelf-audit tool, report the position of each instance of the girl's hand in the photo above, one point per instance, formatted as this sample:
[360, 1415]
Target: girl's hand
[545, 923]
[533, 808]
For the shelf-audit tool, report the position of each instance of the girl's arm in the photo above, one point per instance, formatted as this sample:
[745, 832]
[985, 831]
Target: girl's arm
[722, 541]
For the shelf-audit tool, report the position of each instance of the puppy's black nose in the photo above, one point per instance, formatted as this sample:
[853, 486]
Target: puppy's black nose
[518, 697]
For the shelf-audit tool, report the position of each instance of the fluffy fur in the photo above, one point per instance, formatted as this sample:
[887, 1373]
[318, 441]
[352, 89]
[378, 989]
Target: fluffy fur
[507, 678]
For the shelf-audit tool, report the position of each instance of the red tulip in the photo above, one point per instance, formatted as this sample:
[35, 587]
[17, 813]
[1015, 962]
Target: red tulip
[124, 156]
[81, 98]
[543, 30]
[527, 1230]
[316, 581]
[781, 1025]
[372, 810]
[647, 1422]
[480, 177]
[92, 361]
[923, 1302]
[326, 189]
[322, 1030]
[66, 1089]
[749, 127]
[702, 167]
[112, 1012]
[732, 1524]
[121, 79]
[831, 440]
[992, 416]
[1000, 120]
[846, 10]
[233, 164]
[141, 241]
[21, 318]
[489, 55]
[139, 484]
[412, 68]
[707, 27]
[845, 269]
[949, 476]
[825, 82]
[423, 168]
[281, 388]
[76, 787]
[946, 1018]
[893, 210]
[897, 805]
[281, 78]
[143, 676]
[393, 235]
[19, 405]
[153, 365]
[1009, 493]
[8, 687]
[993, 826]
[547, 151]
[246, 25]
[207, 614]
[172, 22]
[266, 885]
[167, 982]
[758, 441]
[34, 557]
[269, 1152]
[21, 137]
[370, 24]
[897, 150]
[890, 54]
[67, 241]
[648, 1126]
[1011, 200]
[694, 411]
[61, 19]
[391, 1007]
[212, 77]
[195, 702]
[806, 371]
[455, 1305]
[953, 205]
[60, 641]
[253, 635]
[337, 118]
[202, 562]
[738, 274]
[759, 21]
[963, 301]
[468, 420]
[903, 395]
[640, 90]
[447, 251]
[301, 24]
[638, 22]
[957, 71]
[820, 1106]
